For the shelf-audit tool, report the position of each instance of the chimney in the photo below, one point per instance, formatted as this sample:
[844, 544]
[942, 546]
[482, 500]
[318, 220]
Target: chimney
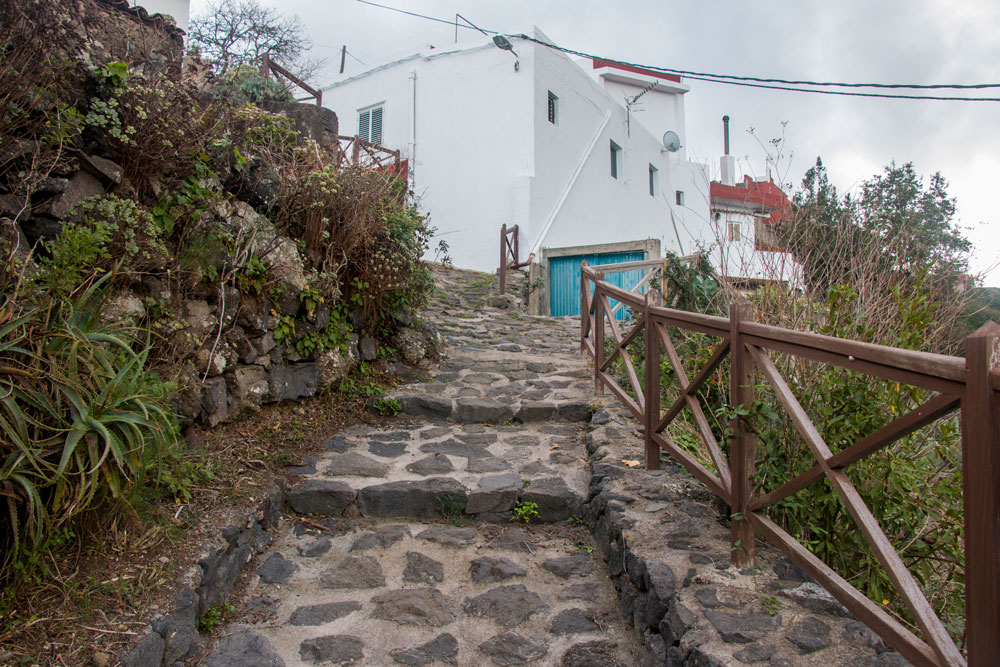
[727, 165]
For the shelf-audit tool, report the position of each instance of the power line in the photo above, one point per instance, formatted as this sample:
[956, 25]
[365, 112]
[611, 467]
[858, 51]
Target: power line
[748, 81]
[424, 16]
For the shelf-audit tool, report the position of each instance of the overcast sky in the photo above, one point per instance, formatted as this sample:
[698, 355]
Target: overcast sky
[891, 41]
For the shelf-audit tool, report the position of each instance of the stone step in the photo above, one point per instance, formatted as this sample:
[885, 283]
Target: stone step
[376, 593]
[446, 471]
[491, 411]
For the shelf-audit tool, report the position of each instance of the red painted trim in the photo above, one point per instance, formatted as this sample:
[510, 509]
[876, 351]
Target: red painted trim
[763, 193]
[600, 62]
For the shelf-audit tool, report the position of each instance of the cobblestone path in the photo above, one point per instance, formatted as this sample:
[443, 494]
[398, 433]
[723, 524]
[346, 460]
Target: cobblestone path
[402, 549]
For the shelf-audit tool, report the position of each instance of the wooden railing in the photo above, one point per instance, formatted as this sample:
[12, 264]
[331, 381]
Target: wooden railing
[269, 67]
[357, 151]
[967, 384]
[509, 254]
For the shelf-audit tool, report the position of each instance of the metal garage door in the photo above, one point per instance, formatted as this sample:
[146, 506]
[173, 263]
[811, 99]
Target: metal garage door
[564, 279]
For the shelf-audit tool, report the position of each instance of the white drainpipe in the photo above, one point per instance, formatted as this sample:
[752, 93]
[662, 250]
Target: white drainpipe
[413, 128]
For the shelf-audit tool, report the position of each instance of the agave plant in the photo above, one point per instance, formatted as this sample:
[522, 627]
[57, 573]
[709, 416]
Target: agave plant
[82, 419]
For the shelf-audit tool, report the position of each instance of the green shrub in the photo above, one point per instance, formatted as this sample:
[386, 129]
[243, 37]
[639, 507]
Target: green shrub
[83, 420]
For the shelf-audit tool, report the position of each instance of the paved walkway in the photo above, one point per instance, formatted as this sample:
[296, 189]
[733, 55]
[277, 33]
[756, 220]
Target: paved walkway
[403, 549]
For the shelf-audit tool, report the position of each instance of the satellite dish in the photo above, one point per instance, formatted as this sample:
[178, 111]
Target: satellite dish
[671, 142]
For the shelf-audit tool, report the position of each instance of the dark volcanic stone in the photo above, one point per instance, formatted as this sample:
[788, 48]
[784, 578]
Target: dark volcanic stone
[591, 654]
[336, 649]
[244, 649]
[487, 570]
[513, 539]
[477, 438]
[321, 496]
[556, 502]
[443, 648]
[451, 536]
[353, 572]
[482, 410]
[389, 450]
[421, 606]
[420, 499]
[391, 436]
[507, 605]
[337, 444]
[456, 448]
[586, 592]
[149, 652]
[573, 621]
[513, 649]
[574, 411]
[277, 569]
[536, 411]
[382, 538]
[352, 464]
[425, 406]
[422, 569]
[742, 628]
[435, 464]
[754, 653]
[566, 566]
[318, 614]
[487, 464]
[809, 635]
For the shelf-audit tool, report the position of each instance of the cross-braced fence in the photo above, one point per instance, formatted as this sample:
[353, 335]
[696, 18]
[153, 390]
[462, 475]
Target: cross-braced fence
[970, 384]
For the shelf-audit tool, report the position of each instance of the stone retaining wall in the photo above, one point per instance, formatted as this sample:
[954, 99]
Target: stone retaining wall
[668, 556]
[170, 638]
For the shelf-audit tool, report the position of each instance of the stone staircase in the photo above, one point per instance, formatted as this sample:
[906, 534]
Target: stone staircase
[402, 546]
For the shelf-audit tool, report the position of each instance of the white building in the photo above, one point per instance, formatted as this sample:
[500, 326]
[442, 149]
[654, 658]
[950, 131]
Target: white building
[747, 251]
[570, 152]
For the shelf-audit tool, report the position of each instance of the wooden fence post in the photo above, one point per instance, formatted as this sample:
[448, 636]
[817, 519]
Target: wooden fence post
[584, 306]
[741, 448]
[503, 258]
[598, 333]
[652, 381]
[981, 477]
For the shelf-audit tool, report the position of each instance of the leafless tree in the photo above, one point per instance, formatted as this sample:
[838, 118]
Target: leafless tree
[239, 32]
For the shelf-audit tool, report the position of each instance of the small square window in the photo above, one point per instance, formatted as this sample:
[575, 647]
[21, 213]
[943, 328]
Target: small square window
[679, 197]
[733, 231]
[553, 108]
[616, 159]
[654, 180]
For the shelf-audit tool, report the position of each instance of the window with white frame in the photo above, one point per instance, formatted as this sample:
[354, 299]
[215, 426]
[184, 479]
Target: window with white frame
[654, 180]
[679, 197]
[616, 160]
[370, 124]
[553, 108]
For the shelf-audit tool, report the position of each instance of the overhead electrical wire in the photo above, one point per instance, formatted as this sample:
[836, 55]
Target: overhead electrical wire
[750, 81]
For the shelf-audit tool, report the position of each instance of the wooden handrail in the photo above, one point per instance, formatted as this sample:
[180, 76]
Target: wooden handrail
[970, 384]
[509, 254]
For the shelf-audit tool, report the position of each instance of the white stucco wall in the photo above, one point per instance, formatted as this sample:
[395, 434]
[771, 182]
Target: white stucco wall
[596, 208]
[740, 260]
[470, 144]
[483, 153]
[179, 9]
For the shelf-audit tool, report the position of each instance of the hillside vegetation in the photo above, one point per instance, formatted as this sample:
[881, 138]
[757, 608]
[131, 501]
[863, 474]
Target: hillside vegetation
[169, 254]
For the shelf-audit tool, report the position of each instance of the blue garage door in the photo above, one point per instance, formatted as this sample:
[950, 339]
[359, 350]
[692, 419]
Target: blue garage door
[564, 279]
